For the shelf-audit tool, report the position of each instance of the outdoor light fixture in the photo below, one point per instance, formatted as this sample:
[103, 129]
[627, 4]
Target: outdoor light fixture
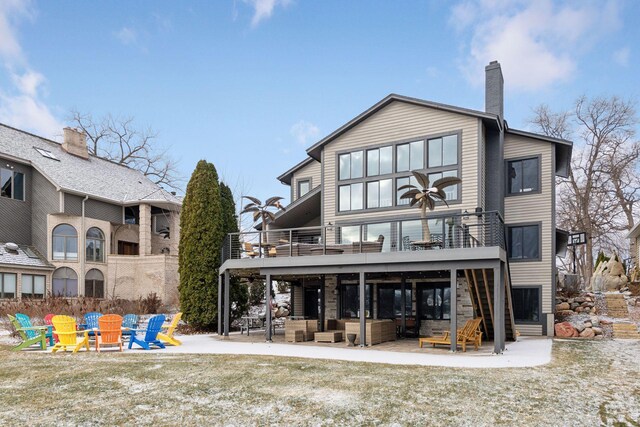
[465, 214]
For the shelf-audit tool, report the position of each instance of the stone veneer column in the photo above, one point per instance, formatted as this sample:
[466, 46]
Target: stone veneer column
[174, 229]
[145, 229]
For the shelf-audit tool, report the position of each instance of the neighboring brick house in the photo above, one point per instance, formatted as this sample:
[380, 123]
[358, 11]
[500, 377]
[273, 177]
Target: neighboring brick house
[84, 226]
[499, 225]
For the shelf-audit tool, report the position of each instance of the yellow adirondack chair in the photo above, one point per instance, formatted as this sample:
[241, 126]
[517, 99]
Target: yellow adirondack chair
[168, 336]
[65, 329]
[469, 334]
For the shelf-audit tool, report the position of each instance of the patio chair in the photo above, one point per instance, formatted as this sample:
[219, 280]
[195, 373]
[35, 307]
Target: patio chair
[25, 322]
[130, 321]
[47, 321]
[66, 330]
[151, 334]
[91, 322]
[469, 334]
[110, 327]
[168, 336]
[248, 249]
[30, 335]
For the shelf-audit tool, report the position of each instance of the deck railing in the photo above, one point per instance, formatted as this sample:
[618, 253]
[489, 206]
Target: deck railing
[457, 231]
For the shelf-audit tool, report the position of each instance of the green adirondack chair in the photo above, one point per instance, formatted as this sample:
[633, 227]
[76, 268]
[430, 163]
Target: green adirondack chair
[30, 336]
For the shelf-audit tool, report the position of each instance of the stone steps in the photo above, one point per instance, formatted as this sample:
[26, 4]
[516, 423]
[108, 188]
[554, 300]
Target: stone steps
[626, 331]
[617, 306]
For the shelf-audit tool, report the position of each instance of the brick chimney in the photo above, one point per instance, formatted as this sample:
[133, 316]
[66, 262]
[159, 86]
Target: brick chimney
[494, 89]
[75, 142]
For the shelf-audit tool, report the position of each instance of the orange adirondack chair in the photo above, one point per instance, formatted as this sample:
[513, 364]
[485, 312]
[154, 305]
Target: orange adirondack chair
[110, 327]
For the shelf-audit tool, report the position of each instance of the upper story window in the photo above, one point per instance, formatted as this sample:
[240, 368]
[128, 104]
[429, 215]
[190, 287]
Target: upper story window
[65, 243]
[438, 157]
[95, 245]
[33, 286]
[351, 165]
[410, 156]
[8, 285]
[443, 151]
[304, 186]
[11, 184]
[524, 242]
[523, 176]
[379, 161]
[65, 282]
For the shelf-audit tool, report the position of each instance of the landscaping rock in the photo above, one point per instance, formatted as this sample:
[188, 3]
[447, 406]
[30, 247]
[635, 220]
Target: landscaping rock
[605, 322]
[597, 331]
[588, 324]
[580, 327]
[588, 333]
[565, 330]
[580, 300]
[579, 309]
[563, 306]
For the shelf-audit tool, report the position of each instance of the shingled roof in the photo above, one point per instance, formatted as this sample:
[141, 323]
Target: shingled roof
[25, 256]
[96, 177]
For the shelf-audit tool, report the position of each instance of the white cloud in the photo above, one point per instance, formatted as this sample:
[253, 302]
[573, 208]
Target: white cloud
[304, 132]
[127, 36]
[263, 9]
[621, 56]
[537, 43]
[21, 105]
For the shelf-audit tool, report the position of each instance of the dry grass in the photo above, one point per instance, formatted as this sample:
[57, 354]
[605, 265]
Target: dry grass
[590, 383]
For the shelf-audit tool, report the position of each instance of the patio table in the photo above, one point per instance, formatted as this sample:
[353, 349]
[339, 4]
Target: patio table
[247, 322]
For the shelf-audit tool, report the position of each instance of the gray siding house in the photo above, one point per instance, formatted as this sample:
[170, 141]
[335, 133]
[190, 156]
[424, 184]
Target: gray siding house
[352, 248]
[73, 224]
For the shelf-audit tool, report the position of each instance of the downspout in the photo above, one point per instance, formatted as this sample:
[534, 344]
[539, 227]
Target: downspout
[81, 251]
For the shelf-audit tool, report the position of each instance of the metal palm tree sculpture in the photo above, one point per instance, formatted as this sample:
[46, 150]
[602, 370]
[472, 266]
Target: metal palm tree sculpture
[262, 211]
[423, 196]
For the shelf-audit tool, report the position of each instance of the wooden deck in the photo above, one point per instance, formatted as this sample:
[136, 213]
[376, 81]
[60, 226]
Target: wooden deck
[406, 345]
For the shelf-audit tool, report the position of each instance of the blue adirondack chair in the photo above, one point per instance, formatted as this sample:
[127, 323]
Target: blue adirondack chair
[25, 322]
[129, 321]
[91, 321]
[151, 334]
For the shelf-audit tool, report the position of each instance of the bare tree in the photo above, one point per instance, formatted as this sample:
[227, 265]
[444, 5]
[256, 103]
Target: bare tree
[602, 189]
[119, 140]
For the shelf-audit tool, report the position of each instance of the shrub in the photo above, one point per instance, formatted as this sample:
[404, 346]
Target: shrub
[256, 292]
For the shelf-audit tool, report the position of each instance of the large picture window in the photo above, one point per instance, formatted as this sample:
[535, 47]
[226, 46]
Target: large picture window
[65, 282]
[434, 301]
[351, 165]
[526, 304]
[11, 184]
[33, 286]
[95, 245]
[452, 190]
[8, 285]
[350, 301]
[65, 243]
[523, 176]
[390, 301]
[524, 242]
[94, 284]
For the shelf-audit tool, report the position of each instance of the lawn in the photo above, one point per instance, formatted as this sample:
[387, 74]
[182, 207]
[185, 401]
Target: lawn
[587, 383]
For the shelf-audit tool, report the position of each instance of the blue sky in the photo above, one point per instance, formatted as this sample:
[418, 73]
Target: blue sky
[248, 85]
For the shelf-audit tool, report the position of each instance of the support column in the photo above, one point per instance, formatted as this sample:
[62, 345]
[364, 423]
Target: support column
[498, 310]
[322, 299]
[403, 302]
[219, 304]
[454, 309]
[267, 306]
[227, 313]
[363, 317]
[144, 236]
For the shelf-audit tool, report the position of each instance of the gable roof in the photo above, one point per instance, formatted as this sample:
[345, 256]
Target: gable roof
[95, 177]
[314, 150]
[285, 178]
[563, 149]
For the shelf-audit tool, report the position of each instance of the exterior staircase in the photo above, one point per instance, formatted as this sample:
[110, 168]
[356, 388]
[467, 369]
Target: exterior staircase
[626, 331]
[617, 308]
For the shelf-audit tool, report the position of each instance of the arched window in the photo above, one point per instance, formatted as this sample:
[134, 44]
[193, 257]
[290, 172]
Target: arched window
[65, 242]
[65, 282]
[94, 245]
[94, 284]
